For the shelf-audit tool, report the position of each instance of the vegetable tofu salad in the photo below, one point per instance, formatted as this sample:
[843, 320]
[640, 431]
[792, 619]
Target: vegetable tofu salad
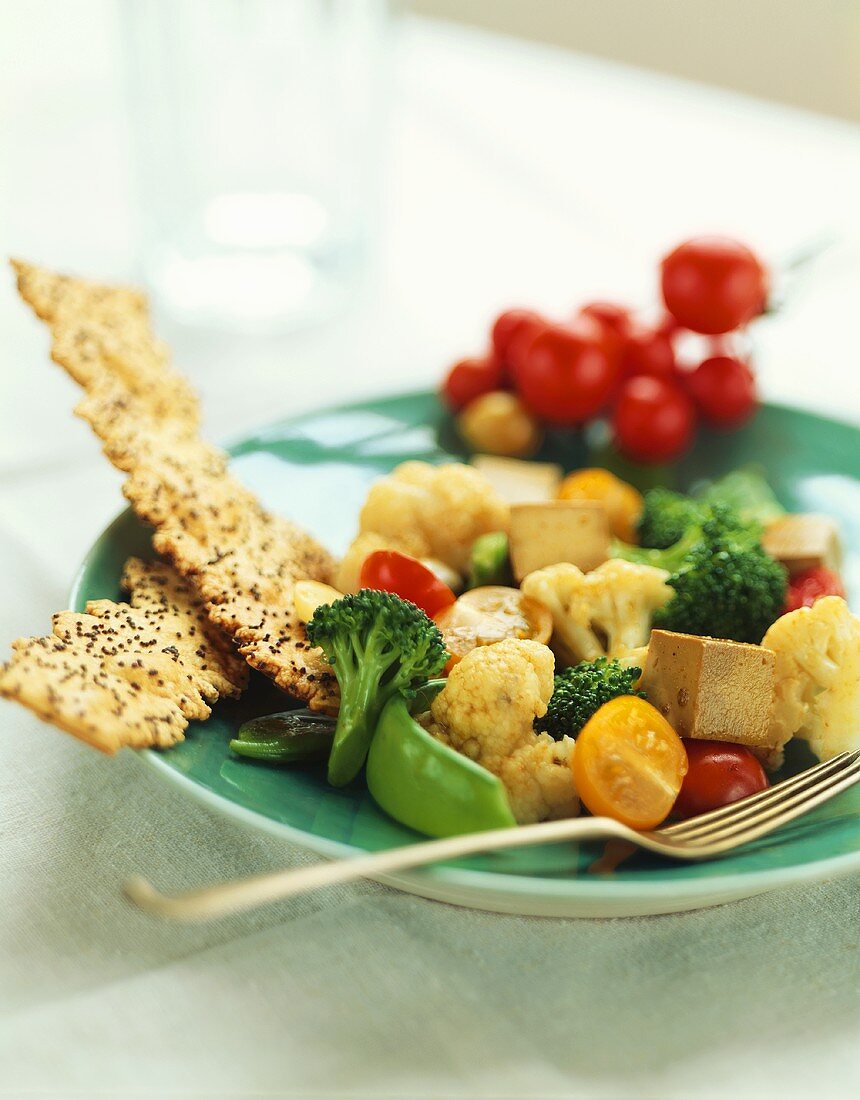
[511, 645]
[499, 644]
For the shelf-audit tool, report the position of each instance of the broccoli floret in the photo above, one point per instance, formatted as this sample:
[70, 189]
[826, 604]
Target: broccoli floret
[716, 519]
[747, 492]
[379, 645]
[666, 517]
[581, 691]
[726, 586]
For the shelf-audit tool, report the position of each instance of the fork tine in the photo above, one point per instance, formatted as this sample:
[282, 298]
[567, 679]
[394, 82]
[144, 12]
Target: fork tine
[687, 829]
[783, 795]
[778, 815]
[774, 809]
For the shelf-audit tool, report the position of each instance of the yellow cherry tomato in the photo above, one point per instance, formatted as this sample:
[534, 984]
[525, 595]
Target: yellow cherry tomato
[628, 763]
[498, 423]
[622, 501]
[491, 614]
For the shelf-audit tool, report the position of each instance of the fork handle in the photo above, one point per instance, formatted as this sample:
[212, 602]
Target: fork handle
[234, 897]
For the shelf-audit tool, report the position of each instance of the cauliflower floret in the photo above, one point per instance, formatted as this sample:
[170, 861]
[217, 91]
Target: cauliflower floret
[539, 781]
[604, 613]
[493, 695]
[817, 677]
[442, 508]
[487, 710]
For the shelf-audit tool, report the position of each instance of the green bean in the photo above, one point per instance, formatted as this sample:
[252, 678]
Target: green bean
[290, 737]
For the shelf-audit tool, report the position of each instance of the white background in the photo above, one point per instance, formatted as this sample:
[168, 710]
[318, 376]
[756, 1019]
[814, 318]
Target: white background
[517, 175]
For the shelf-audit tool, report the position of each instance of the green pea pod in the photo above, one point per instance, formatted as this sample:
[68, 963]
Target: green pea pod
[427, 785]
[289, 737]
[489, 562]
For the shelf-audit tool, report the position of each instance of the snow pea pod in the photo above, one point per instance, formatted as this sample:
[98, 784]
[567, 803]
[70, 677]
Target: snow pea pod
[427, 785]
[286, 738]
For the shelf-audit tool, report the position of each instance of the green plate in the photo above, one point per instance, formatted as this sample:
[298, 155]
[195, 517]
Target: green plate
[316, 469]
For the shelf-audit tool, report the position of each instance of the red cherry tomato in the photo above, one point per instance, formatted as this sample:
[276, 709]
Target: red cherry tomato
[653, 420]
[647, 351]
[718, 773]
[724, 391]
[668, 326]
[507, 325]
[614, 322]
[610, 314]
[391, 571]
[811, 585]
[713, 284]
[565, 376]
[522, 338]
[471, 378]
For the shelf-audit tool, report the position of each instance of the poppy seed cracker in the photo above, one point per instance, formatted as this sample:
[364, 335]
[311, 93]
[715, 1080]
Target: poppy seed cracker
[241, 559]
[127, 674]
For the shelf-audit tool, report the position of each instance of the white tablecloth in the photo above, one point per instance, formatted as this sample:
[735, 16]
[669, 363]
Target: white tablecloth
[517, 174]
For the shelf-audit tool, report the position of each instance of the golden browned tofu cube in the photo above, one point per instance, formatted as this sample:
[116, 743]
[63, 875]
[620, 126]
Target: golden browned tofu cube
[520, 482]
[803, 541]
[712, 689]
[574, 531]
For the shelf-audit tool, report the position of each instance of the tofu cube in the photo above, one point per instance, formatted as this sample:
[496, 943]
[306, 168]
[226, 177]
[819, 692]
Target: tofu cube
[712, 689]
[803, 541]
[520, 482]
[555, 531]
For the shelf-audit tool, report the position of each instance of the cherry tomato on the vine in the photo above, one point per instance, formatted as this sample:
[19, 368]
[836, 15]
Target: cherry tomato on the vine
[724, 391]
[471, 378]
[613, 316]
[391, 571]
[507, 326]
[713, 284]
[718, 773]
[614, 323]
[653, 419]
[647, 351]
[811, 585]
[668, 326]
[522, 338]
[565, 376]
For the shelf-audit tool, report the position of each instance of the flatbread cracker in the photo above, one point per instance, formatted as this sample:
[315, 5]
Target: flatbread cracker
[101, 336]
[90, 699]
[127, 674]
[171, 606]
[241, 559]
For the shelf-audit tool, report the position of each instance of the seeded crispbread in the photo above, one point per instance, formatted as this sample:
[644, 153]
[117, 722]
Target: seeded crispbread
[119, 674]
[242, 560]
[91, 698]
[102, 337]
[170, 605]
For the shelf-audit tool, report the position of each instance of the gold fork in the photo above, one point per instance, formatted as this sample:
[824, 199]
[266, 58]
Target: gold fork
[702, 837]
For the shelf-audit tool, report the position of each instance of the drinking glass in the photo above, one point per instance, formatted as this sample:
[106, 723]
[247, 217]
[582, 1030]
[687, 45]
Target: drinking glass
[257, 136]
